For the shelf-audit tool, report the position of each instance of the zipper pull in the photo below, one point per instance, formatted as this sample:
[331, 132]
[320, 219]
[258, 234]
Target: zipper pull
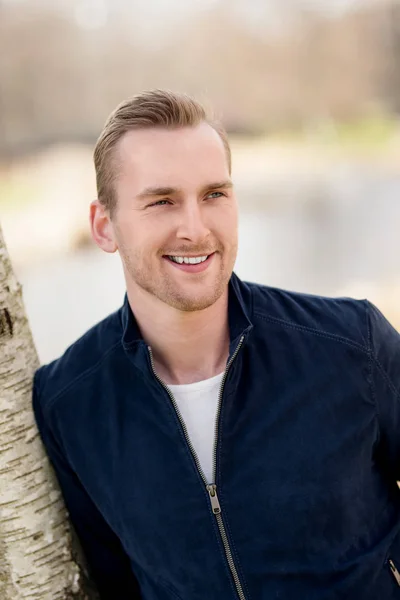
[212, 490]
[394, 571]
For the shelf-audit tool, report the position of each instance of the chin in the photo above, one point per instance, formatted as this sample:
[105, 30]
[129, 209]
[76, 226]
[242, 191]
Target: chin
[192, 303]
[195, 306]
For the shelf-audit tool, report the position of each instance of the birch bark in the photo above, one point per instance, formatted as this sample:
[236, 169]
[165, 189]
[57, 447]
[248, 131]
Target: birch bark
[39, 556]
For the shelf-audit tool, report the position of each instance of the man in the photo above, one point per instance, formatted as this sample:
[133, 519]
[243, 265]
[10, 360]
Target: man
[216, 439]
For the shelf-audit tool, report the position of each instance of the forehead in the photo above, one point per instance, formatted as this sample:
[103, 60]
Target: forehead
[159, 156]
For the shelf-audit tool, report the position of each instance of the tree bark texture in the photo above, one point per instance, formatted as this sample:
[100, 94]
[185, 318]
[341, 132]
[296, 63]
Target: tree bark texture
[39, 555]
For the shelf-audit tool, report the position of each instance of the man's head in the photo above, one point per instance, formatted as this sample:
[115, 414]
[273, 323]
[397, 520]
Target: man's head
[164, 190]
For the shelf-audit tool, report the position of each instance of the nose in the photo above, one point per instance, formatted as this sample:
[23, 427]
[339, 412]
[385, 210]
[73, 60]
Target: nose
[192, 226]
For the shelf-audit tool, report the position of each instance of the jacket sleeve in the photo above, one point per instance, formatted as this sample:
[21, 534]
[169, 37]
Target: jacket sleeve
[108, 564]
[384, 343]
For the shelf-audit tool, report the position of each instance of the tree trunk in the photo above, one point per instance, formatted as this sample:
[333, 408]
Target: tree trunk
[39, 556]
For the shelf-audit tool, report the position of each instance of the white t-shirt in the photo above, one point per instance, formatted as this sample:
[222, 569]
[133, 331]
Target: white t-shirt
[198, 404]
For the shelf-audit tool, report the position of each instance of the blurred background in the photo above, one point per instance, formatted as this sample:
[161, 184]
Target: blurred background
[309, 91]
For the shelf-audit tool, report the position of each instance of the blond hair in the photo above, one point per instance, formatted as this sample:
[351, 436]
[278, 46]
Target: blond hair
[156, 108]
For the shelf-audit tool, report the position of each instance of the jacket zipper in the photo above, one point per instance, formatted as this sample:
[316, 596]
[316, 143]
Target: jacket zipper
[211, 488]
[395, 572]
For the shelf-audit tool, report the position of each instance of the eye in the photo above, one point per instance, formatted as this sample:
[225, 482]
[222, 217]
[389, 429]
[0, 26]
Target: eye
[215, 195]
[160, 203]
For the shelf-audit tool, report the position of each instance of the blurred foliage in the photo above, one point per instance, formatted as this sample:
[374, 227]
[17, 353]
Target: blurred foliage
[62, 70]
[14, 194]
[374, 132]
[371, 131]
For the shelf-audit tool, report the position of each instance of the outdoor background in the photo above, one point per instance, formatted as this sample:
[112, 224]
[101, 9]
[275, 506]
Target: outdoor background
[309, 91]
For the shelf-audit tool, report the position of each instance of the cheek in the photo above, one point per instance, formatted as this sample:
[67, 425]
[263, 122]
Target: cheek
[135, 234]
[227, 224]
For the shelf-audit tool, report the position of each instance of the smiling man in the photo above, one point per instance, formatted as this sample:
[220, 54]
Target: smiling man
[216, 439]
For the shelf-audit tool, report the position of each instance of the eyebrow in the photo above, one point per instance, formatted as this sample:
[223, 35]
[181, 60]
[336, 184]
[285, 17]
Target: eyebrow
[167, 191]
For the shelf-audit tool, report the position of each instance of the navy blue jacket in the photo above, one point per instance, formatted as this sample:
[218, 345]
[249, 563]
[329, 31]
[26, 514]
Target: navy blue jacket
[304, 504]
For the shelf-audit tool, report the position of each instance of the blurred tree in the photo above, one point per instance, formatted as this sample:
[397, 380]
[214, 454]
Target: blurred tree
[392, 31]
[59, 80]
[38, 556]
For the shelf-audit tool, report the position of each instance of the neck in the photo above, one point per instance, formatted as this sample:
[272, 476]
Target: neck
[187, 346]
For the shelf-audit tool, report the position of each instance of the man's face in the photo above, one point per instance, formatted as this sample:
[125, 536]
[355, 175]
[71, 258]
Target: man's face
[174, 199]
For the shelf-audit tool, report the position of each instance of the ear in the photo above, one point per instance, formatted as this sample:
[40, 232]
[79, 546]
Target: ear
[102, 228]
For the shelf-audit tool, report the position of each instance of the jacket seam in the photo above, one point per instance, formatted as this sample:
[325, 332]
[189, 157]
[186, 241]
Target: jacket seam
[371, 372]
[79, 377]
[387, 378]
[167, 586]
[311, 330]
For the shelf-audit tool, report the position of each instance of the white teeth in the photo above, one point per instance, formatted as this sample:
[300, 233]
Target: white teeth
[188, 260]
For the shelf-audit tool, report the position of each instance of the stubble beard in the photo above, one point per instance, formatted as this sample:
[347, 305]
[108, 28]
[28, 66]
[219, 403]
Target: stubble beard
[163, 286]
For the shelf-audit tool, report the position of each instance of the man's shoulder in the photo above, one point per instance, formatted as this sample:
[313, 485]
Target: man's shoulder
[80, 360]
[343, 318]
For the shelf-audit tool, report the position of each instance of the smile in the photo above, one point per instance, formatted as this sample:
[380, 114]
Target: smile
[190, 264]
[189, 260]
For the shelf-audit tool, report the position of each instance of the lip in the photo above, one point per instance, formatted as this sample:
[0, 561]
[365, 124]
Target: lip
[199, 268]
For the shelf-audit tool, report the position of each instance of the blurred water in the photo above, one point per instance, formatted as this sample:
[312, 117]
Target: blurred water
[319, 238]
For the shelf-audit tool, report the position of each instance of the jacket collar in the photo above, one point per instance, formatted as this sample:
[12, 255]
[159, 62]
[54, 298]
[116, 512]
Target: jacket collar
[239, 313]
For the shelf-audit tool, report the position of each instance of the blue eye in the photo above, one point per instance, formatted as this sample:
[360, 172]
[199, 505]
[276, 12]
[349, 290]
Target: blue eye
[219, 194]
[160, 203]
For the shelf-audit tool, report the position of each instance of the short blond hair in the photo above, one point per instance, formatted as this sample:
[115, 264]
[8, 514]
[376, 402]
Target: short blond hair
[155, 108]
